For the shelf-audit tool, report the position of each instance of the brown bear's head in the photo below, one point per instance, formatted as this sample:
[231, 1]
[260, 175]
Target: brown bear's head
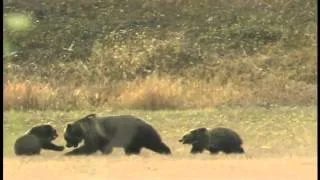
[75, 133]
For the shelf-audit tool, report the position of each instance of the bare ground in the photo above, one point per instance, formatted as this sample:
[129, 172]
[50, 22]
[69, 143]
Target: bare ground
[160, 167]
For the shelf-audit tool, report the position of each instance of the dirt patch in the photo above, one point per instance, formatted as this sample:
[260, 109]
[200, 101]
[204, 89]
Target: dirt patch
[159, 167]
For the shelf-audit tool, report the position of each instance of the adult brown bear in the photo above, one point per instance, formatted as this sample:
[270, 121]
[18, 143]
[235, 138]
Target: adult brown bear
[104, 133]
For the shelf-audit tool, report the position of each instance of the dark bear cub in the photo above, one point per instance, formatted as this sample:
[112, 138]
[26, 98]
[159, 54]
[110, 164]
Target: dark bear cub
[105, 133]
[214, 140]
[37, 138]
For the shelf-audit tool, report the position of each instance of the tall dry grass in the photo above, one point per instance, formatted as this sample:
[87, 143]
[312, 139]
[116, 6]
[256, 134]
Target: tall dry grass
[283, 78]
[154, 93]
[173, 93]
[27, 94]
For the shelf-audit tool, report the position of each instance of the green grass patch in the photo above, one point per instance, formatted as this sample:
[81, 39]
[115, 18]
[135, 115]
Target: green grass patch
[276, 131]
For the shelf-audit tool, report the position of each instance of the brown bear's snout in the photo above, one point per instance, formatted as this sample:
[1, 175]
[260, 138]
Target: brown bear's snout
[68, 145]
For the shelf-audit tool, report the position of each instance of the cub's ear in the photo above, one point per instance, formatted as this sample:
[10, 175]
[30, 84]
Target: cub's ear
[198, 130]
[202, 129]
[69, 127]
[51, 127]
[91, 116]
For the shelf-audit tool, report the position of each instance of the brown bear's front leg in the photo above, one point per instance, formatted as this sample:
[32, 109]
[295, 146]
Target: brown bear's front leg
[196, 149]
[106, 149]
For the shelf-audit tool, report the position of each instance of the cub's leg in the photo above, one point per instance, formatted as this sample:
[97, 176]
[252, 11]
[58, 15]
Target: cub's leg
[51, 146]
[82, 150]
[213, 150]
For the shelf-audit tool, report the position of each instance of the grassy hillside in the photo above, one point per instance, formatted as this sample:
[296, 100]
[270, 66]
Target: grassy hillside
[160, 54]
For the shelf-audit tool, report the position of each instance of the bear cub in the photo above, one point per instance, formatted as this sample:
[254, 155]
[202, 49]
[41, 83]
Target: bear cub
[213, 140]
[37, 138]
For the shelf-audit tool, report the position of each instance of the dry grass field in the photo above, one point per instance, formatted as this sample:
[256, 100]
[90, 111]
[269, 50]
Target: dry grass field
[179, 65]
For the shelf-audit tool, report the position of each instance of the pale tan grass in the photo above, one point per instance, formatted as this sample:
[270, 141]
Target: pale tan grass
[137, 168]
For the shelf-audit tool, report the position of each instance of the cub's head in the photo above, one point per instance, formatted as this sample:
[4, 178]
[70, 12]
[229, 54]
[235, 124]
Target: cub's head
[74, 132]
[195, 136]
[44, 131]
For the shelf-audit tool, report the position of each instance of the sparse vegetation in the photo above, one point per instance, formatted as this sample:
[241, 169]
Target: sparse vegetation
[160, 54]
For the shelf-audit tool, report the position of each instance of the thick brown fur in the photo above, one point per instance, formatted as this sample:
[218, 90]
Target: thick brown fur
[214, 140]
[105, 133]
[37, 138]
